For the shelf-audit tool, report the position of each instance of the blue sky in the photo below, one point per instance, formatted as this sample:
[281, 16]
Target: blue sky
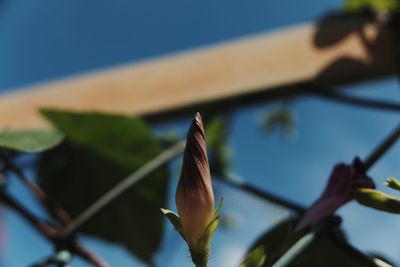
[51, 39]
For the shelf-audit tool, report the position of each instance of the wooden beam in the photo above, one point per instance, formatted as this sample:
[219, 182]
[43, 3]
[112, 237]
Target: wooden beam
[337, 52]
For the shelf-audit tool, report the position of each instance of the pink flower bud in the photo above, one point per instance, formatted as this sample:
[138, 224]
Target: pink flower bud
[194, 196]
[344, 180]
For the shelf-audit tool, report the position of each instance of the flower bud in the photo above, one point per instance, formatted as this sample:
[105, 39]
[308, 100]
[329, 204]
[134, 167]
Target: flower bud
[343, 182]
[194, 196]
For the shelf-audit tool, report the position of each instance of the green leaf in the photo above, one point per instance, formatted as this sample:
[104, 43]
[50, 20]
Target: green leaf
[29, 140]
[327, 251]
[377, 5]
[393, 183]
[377, 200]
[279, 119]
[124, 140]
[100, 151]
[256, 258]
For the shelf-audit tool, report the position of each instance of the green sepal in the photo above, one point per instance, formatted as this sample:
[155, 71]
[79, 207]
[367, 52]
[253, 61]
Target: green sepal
[256, 258]
[377, 200]
[209, 231]
[175, 220]
[219, 207]
[200, 251]
[393, 183]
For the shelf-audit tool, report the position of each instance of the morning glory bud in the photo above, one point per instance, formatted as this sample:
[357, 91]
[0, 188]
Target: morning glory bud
[194, 196]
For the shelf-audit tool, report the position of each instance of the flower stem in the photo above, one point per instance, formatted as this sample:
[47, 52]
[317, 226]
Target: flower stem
[199, 259]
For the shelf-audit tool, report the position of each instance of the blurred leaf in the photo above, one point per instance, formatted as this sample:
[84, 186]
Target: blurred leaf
[124, 140]
[230, 220]
[325, 252]
[393, 183]
[377, 200]
[256, 258]
[220, 154]
[279, 119]
[100, 151]
[377, 5]
[29, 140]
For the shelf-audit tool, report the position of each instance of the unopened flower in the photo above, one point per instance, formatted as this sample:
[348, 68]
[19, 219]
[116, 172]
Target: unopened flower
[343, 182]
[194, 197]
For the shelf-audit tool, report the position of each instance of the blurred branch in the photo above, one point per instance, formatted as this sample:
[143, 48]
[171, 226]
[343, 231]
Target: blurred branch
[248, 188]
[357, 101]
[60, 259]
[50, 232]
[54, 209]
[380, 150]
[124, 185]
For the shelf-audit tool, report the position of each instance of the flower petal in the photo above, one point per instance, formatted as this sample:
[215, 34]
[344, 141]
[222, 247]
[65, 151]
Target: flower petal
[343, 181]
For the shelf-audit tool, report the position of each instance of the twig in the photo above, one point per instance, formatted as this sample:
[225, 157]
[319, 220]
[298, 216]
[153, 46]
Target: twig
[60, 259]
[121, 187]
[88, 255]
[358, 101]
[242, 185]
[54, 209]
[51, 233]
[378, 152]
[48, 231]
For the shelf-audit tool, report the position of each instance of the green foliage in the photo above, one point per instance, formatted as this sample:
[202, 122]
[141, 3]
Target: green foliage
[256, 258]
[216, 137]
[120, 139]
[29, 140]
[377, 5]
[326, 252]
[100, 151]
[377, 200]
[279, 119]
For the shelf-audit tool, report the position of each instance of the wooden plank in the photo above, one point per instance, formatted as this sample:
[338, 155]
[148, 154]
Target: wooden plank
[339, 52]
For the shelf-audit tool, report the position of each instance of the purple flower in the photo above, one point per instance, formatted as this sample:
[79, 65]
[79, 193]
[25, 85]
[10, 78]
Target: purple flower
[194, 196]
[344, 180]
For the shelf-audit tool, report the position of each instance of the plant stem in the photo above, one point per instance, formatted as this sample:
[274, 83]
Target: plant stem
[199, 260]
[121, 187]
